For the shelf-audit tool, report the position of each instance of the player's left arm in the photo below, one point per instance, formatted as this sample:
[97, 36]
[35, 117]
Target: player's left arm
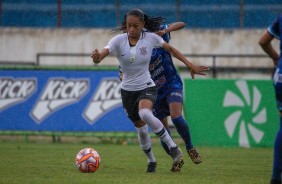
[194, 68]
[265, 43]
[171, 27]
[175, 26]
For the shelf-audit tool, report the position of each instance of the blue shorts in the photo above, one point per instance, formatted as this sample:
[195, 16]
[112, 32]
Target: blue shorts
[161, 107]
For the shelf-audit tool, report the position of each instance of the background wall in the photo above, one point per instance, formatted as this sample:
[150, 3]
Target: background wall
[23, 44]
[77, 27]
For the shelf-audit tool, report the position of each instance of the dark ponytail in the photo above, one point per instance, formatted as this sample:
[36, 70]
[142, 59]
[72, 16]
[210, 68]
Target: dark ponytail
[152, 24]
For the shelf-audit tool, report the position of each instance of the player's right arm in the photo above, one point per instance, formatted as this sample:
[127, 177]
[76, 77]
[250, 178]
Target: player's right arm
[273, 31]
[99, 56]
[110, 48]
[265, 43]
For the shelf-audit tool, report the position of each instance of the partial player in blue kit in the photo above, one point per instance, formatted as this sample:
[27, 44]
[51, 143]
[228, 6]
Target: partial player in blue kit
[275, 31]
[170, 91]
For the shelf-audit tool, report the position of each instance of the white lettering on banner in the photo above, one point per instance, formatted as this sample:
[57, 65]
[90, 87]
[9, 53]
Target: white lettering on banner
[57, 94]
[14, 91]
[106, 97]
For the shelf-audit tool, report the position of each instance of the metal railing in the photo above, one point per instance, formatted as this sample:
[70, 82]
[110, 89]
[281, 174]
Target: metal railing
[214, 68]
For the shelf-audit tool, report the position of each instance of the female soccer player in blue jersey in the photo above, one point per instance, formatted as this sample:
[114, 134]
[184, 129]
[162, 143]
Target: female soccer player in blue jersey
[170, 91]
[275, 30]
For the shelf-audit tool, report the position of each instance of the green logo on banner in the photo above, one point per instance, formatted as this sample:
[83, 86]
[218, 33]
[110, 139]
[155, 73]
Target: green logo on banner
[231, 112]
[237, 120]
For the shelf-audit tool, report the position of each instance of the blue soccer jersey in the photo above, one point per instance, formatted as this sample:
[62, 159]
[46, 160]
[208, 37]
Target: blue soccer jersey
[162, 70]
[275, 29]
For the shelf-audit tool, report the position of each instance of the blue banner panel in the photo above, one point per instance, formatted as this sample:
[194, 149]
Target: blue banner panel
[59, 100]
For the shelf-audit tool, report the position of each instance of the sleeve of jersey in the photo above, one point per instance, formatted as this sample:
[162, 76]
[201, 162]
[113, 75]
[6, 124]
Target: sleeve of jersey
[158, 41]
[112, 46]
[273, 29]
[166, 37]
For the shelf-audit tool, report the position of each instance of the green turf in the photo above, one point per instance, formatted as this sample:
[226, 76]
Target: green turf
[54, 163]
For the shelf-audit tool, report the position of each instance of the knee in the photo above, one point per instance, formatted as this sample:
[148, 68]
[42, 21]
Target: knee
[175, 114]
[139, 123]
[145, 114]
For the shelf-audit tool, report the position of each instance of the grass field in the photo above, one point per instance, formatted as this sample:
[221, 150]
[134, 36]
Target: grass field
[54, 163]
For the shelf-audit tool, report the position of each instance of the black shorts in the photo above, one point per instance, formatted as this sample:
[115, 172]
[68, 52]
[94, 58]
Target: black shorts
[130, 100]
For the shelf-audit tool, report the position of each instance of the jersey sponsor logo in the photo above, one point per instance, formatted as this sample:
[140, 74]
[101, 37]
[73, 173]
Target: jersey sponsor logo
[155, 63]
[154, 52]
[58, 92]
[176, 94]
[14, 91]
[160, 81]
[143, 51]
[277, 78]
[157, 72]
[106, 97]
[246, 102]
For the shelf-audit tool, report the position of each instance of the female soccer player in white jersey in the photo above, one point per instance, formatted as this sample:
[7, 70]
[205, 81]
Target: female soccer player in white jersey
[138, 91]
[169, 100]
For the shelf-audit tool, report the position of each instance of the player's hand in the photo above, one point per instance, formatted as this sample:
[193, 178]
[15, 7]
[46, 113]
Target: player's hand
[120, 75]
[199, 70]
[96, 56]
[160, 32]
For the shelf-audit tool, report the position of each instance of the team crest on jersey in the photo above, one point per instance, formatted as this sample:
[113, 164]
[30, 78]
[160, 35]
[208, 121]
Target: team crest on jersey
[143, 51]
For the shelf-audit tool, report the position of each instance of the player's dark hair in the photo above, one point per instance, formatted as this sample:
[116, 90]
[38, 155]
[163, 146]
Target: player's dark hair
[152, 24]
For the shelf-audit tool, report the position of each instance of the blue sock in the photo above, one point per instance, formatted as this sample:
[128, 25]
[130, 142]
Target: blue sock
[277, 161]
[164, 144]
[183, 130]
